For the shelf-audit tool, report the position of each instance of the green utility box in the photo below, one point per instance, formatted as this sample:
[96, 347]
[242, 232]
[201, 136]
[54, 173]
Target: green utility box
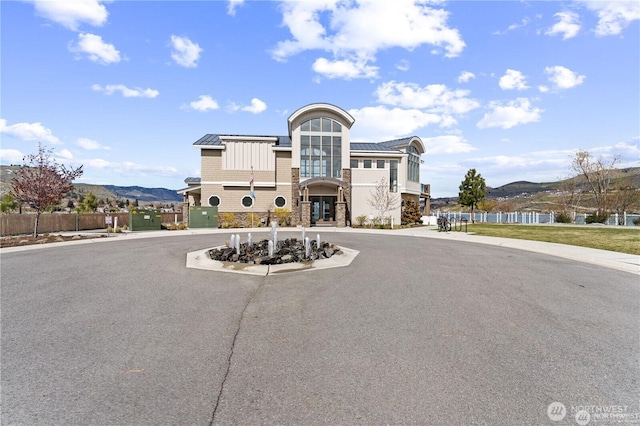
[145, 220]
[203, 217]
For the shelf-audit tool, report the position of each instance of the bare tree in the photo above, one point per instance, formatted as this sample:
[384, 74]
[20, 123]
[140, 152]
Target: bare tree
[569, 195]
[597, 173]
[42, 182]
[624, 196]
[383, 200]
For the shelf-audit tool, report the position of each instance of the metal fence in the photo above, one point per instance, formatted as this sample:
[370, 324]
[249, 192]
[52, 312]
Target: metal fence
[537, 217]
[21, 224]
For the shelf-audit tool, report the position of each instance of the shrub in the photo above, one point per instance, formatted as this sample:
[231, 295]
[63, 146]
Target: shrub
[227, 220]
[636, 221]
[361, 220]
[597, 218]
[410, 212]
[563, 217]
[283, 216]
[253, 219]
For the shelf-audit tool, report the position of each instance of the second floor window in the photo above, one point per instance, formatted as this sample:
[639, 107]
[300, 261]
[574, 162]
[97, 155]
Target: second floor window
[321, 148]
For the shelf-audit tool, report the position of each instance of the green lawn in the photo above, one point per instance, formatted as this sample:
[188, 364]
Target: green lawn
[623, 240]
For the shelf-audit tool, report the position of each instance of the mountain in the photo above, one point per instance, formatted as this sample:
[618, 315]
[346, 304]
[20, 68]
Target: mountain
[145, 194]
[103, 192]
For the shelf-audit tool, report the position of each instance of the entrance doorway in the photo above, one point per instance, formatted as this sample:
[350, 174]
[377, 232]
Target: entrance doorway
[323, 208]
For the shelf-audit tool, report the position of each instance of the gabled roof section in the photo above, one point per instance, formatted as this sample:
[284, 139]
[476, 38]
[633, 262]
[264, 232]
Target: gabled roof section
[215, 140]
[370, 146]
[192, 180]
[393, 145]
[209, 140]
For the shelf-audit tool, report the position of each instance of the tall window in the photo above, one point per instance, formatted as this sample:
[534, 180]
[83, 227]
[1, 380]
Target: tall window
[413, 172]
[321, 148]
[393, 175]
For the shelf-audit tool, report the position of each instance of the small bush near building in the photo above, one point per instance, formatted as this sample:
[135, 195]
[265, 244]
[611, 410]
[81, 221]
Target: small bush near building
[361, 220]
[636, 221]
[228, 220]
[411, 212]
[596, 218]
[283, 216]
[563, 218]
[253, 219]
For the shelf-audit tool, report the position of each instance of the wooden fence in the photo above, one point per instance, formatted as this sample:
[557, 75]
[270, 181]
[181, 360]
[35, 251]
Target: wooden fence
[20, 224]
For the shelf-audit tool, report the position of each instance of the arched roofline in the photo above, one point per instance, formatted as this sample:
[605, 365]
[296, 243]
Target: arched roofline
[323, 180]
[418, 141]
[346, 117]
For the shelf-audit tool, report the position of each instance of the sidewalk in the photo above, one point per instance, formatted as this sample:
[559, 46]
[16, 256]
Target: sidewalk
[608, 259]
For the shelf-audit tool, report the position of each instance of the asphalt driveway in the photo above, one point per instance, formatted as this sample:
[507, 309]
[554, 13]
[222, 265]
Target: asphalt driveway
[415, 331]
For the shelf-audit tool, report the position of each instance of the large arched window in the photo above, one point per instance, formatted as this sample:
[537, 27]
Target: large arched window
[321, 148]
[413, 172]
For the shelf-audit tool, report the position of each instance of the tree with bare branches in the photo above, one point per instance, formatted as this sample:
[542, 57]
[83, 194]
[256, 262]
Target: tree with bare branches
[42, 182]
[624, 196]
[383, 200]
[597, 174]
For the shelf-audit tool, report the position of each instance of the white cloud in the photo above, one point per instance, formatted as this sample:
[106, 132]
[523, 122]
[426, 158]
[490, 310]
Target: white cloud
[127, 92]
[512, 114]
[128, 168]
[465, 76]
[568, 25]
[346, 69]
[90, 144]
[185, 52]
[513, 79]
[447, 144]
[96, 49]
[29, 132]
[204, 103]
[64, 153]
[257, 106]
[233, 5]
[436, 98]
[614, 16]
[71, 13]
[563, 78]
[11, 156]
[345, 30]
[380, 123]
[513, 27]
[543, 89]
[403, 65]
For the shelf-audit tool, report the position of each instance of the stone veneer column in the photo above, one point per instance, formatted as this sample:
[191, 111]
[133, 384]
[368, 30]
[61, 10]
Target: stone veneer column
[306, 213]
[185, 213]
[341, 214]
[346, 177]
[295, 196]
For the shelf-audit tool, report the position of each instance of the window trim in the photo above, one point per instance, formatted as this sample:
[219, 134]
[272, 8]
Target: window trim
[219, 200]
[242, 201]
[285, 201]
[364, 164]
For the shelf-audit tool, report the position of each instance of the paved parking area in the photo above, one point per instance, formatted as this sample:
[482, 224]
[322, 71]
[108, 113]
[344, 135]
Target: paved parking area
[415, 331]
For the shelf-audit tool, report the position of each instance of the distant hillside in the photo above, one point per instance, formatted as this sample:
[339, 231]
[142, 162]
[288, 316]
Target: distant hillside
[145, 194]
[524, 194]
[103, 192]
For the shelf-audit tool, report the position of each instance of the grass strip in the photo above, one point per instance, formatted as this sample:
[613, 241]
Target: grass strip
[622, 240]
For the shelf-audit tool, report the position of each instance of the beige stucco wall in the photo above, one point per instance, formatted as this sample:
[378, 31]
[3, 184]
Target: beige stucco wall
[363, 186]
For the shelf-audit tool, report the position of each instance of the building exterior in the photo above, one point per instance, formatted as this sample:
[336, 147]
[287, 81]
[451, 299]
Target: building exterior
[315, 171]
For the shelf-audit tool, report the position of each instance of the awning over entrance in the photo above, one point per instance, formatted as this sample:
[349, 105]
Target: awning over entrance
[323, 180]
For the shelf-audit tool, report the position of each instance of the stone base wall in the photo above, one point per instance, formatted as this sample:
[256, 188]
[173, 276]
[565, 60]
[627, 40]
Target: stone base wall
[346, 177]
[295, 196]
[185, 213]
[306, 213]
[242, 220]
[341, 218]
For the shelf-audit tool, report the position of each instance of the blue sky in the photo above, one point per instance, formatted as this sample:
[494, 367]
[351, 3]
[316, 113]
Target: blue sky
[509, 88]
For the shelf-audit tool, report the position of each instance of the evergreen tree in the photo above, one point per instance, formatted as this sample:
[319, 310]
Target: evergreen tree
[473, 189]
